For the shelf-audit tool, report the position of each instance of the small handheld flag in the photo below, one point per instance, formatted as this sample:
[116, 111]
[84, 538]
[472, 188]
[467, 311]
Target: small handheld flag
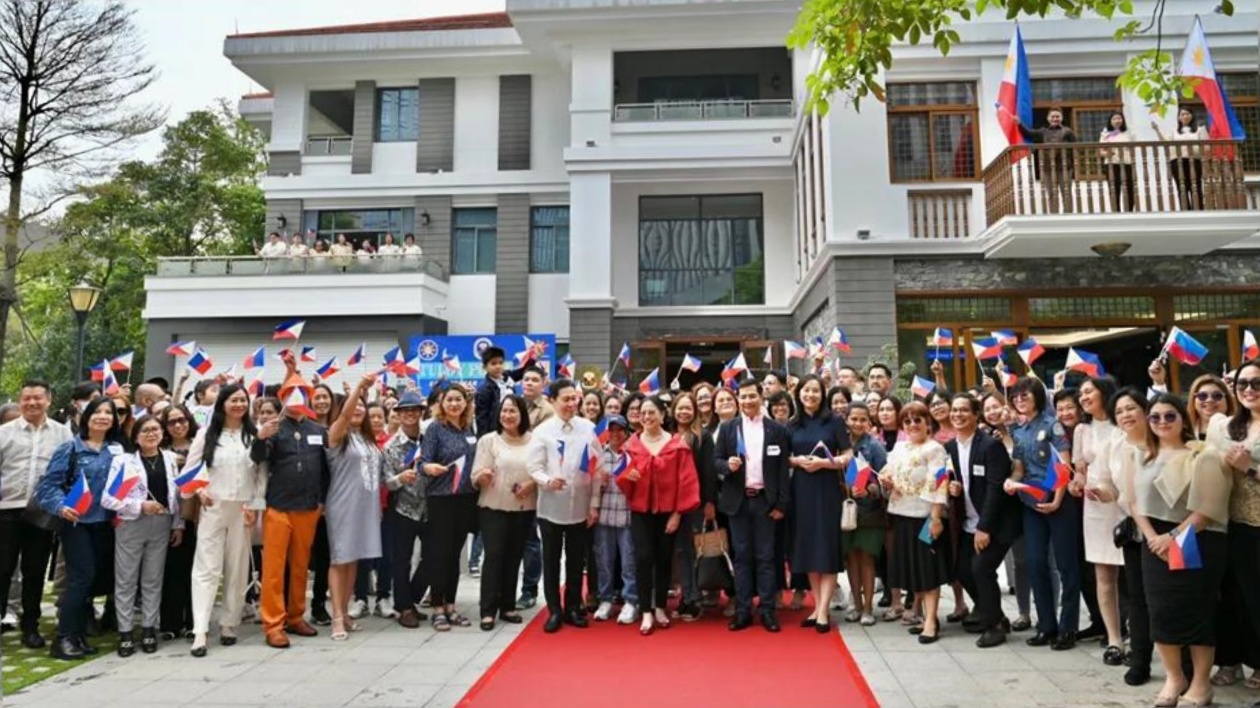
[308, 355]
[567, 367]
[330, 367]
[410, 460]
[736, 366]
[109, 382]
[740, 448]
[182, 349]
[79, 498]
[650, 385]
[624, 355]
[192, 479]
[840, 341]
[257, 359]
[941, 477]
[987, 348]
[922, 388]
[793, 350]
[531, 352]
[1008, 378]
[820, 446]
[1084, 362]
[458, 468]
[200, 362]
[560, 445]
[859, 473]
[123, 361]
[602, 432]
[122, 482]
[1005, 337]
[257, 388]
[1030, 351]
[943, 337]
[358, 356]
[451, 362]
[691, 363]
[1183, 552]
[297, 401]
[587, 463]
[1184, 348]
[1251, 350]
[623, 462]
[97, 372]
[1060, 473]
[289, 329]
[1035, 492]
[768, 357]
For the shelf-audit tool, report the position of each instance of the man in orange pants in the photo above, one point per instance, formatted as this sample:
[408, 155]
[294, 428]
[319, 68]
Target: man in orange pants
[293, 449]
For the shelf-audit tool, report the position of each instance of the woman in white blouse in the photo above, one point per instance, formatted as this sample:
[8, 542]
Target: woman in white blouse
[1187, 165]
[229, 507]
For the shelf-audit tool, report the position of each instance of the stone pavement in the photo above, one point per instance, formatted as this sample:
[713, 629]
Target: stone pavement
[386, 665]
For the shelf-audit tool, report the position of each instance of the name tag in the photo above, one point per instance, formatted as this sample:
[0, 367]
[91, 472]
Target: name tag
[115, 449]
[772, 451]
[315, 440]
[977, 470]
[471, 439]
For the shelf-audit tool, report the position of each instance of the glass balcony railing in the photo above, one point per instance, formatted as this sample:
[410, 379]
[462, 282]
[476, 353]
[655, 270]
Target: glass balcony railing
[720, 109]
[323, 264]
[325, 145]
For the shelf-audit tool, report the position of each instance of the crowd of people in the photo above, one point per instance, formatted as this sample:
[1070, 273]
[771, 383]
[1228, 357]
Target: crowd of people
[1142, 503]
[342, 252]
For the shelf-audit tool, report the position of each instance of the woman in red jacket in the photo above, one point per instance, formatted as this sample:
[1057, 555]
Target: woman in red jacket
[660, 485]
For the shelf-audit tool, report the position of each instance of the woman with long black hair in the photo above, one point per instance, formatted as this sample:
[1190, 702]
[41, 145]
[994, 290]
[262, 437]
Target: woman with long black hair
[1186, 165]
[180, 429]
[1119, 162]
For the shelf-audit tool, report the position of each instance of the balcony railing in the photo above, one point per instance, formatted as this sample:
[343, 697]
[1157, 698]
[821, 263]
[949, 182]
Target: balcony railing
[1109, 178]
[322, 145]
[324, 264]
[720, 109]
[939, 213]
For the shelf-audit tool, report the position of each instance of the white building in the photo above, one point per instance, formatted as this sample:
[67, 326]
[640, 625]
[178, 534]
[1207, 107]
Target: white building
[632, 171]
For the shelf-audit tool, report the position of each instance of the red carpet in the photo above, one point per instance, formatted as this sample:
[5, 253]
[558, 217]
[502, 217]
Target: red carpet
[688, 665]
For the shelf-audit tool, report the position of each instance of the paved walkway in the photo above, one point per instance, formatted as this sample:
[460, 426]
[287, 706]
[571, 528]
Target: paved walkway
[386, 665]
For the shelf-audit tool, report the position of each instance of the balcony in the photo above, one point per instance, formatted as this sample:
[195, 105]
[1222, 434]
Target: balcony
[719, 109]
[328, 145]
[1139, 199]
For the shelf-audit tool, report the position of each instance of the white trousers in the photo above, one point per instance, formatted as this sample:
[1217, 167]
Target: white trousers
[223, 553]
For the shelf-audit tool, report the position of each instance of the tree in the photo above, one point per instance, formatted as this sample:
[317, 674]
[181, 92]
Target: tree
[67, 71]
[856, 39]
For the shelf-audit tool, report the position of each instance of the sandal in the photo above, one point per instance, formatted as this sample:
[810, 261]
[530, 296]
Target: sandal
[440, 622]
[909, 619]
[487, 624]
[354, 626]
[662, 619]
[459, 620]
[1253, 682]
[852, 616]
[1228, 675]
[892, 614]
[511, 617]
[339, 633]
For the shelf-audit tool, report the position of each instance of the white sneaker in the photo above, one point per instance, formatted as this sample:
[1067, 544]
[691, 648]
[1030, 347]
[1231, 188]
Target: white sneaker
[868, 620]
[385, 608]
[249, 613]
[358, 608]
[605, 610]
[629, 614]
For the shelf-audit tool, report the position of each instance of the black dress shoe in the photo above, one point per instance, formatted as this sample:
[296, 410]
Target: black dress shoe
[577, 618]
[554, 621]
[81, 642]
[1066, 641]
[32, 640]
[1021, 624]
[741, 620]
[148, 640]
[991, 638]
[769, 621]
[808, 623]
[1094, 631]
[926, 638]
[320, 617]
[1040, 639]
[66, 649]
[198, 652]
[126, 644]
[1137, 675]
[822, 628]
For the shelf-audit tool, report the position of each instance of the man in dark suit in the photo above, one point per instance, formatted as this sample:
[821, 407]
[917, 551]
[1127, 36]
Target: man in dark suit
[990, 517]
[750, 460]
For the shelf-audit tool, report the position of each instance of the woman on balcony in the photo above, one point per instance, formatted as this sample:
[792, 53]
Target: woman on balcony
[1186, 165]
[1118, 158]
[342, 252]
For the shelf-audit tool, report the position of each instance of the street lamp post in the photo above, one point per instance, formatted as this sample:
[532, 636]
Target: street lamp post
[83, 299]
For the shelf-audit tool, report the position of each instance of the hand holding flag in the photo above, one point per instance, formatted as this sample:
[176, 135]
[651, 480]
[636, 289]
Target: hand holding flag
[79, 499]
[1183, 552]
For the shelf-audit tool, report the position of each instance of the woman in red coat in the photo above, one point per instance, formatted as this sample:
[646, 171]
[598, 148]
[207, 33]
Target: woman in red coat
[660, 485]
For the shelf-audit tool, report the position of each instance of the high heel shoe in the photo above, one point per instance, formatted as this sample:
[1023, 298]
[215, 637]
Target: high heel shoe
[662, 619]
[339, 633]
[645, 629]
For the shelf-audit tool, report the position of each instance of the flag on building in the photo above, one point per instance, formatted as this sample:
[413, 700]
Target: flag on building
[192, 479]
[943, 337]
[987, 348]
[1184, 348]
[921, 387]
[691, 363]
[1251, 350]
[1015, 95]
[1197, 65]
[182, 349]
[1084, 362]
[308, 355]
[1030, 351]
[289, 329]
[329, 368]
[839, 341]
[1183, 552]
[358, 356]
[200, 362]
[80, 496]
[257, 359]
[652, 383]
[793, 350]
[123, 361]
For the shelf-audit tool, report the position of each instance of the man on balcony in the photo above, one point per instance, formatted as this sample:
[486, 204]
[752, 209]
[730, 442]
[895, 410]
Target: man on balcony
[1054, 166]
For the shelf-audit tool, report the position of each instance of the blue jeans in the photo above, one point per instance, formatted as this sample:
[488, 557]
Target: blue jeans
[474, 553]
[88, 550]
[383, 566]
[611, 542]
[752, 540]
[532, 564]
[1059, 533]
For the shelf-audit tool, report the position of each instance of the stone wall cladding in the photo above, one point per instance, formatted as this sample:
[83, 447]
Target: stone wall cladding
[973, 275]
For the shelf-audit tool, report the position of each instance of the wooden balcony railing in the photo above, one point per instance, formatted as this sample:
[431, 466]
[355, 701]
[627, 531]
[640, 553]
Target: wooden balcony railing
[940, 213]
[1109, 178]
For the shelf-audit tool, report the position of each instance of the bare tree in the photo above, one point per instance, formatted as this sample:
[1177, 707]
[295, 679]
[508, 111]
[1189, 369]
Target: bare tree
[68, 72]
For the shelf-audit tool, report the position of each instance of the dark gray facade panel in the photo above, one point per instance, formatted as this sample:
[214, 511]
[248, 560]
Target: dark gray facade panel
[511, 303]
[515, 116]
[364, 127]
[435, 237]
[281, 163]
[435, 149]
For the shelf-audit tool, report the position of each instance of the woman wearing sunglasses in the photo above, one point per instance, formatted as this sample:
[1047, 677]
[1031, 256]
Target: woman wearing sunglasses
[1237, 438]
[1179, 489]
[917, 500]
[1209, 397]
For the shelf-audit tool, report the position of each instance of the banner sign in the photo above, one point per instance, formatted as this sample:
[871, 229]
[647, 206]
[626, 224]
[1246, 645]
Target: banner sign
[431, 349]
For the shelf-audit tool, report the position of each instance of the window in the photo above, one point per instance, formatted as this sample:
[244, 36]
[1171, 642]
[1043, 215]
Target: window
[1244, 95]
[735, 87]
[932, 131]
[1087, 103]
[362, 224]
[935, 310]
[701, 251]
[397, 115]
[475, 240]
[549, 239]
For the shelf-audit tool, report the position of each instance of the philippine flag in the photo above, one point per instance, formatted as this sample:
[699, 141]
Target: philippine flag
[768, 357]
[257, 359]
[97, 372]
[624, 355]
[109, 382]
[1008, 378]
[308, 355]
[734, 367]
[1060, 473]
[820, 446]
[1196, 65]
[451, 362]
[1030, 351]
[297, 400]
[200, 362]
[192, 479]
[652, 383]
[182, 349]
[122, 362]
[80, 496]
[1184, 348]
[740, 448]
[1006, 337]
[394, 361]
[122, 482]
[840, 341]
[1251, 350]
[588, 463]
[943, 337]
[921, 387]
[1035, 492]
[941, 477]
[602, 432]
[988, 348]
[527, 355]
[257, 388]
[1183, 552]
[329, 368]
[1084, 362]
[859, 473]
[358, 356]
[691, 363]
[566, 367]
[1015, 96]
[623, 462]
[289, 329]
[560, 446]
[793, 350]
[410, 460]
[411, 367]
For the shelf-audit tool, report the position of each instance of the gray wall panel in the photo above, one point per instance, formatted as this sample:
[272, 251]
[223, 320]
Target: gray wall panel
[511, 303]
[284, 162]
[364, 127]
[515, 109]
[435, 150]
[435, 239]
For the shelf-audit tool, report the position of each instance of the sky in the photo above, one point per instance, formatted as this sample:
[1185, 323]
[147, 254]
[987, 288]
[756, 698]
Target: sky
[184, 39]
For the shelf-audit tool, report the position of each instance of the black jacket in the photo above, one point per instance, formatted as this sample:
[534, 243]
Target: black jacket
[298, 474]
[1000, 512]
[774, 466]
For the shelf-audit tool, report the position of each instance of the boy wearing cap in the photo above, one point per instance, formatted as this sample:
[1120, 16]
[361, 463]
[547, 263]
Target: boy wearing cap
[612, 534]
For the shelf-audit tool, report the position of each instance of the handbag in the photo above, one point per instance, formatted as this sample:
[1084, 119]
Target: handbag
[714, 569]
[1126, 532]
[35, 515]
[849, 515]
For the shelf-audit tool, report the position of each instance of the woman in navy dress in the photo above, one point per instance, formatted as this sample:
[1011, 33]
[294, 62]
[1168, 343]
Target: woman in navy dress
[816, 494]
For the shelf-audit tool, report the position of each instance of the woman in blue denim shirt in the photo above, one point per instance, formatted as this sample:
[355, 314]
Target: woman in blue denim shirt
[87, 538]
[1051, 524]
[452, 500]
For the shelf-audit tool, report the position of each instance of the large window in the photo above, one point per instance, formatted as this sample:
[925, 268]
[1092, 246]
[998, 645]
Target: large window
[932, 131]
[1244, 95]
[361, 225]
[1087, 103]
[701, 250]
[475, 239]
[735, 87]
[397, 115]
[549, 239]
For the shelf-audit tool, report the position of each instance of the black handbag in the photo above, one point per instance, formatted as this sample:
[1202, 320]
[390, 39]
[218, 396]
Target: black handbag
[714, 570]
[35, 515]
[1126, 532]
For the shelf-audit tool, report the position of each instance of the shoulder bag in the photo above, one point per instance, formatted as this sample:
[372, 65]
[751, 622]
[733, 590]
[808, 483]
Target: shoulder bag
[35, 515]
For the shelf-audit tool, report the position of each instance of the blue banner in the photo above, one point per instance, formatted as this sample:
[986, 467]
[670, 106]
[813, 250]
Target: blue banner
[468, 348]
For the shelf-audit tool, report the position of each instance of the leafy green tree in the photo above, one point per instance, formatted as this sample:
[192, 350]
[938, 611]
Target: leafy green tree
[856, 38]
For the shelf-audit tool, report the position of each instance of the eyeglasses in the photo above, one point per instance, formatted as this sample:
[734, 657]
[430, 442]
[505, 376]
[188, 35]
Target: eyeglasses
[1205, 396]
[1244, 384]
[913, 420]
[177, 421]
[1020, 395]
[151, 431]
[1168, 418]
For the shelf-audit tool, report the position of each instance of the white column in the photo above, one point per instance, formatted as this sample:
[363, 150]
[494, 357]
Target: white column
[590, 106]
[288, 117]
[590, 246]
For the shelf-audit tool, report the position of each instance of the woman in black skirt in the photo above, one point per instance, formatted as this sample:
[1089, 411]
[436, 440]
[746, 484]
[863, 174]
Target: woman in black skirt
[1178, 486]
[917, 499]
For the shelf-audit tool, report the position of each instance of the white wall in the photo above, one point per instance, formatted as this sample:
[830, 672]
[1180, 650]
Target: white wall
[547, 310]
[549, 125]
[394, 158]
[476, 123]
[294, 295]
[470, 307]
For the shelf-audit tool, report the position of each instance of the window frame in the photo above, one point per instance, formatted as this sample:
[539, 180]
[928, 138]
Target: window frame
[479, 232]
[534, 226]
[379, 98]
[931, 111]
[700, 219]
[1088, 166]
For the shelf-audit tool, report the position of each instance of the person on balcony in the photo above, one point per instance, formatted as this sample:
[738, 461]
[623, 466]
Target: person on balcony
[1054, 167]
[342, 252]
[1186, 165]
[1119, 161]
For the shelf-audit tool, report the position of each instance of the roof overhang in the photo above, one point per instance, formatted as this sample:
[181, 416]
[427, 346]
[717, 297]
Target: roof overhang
[1191, 233]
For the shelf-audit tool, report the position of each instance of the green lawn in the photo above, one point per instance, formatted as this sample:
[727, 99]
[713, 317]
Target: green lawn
[22, 667]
